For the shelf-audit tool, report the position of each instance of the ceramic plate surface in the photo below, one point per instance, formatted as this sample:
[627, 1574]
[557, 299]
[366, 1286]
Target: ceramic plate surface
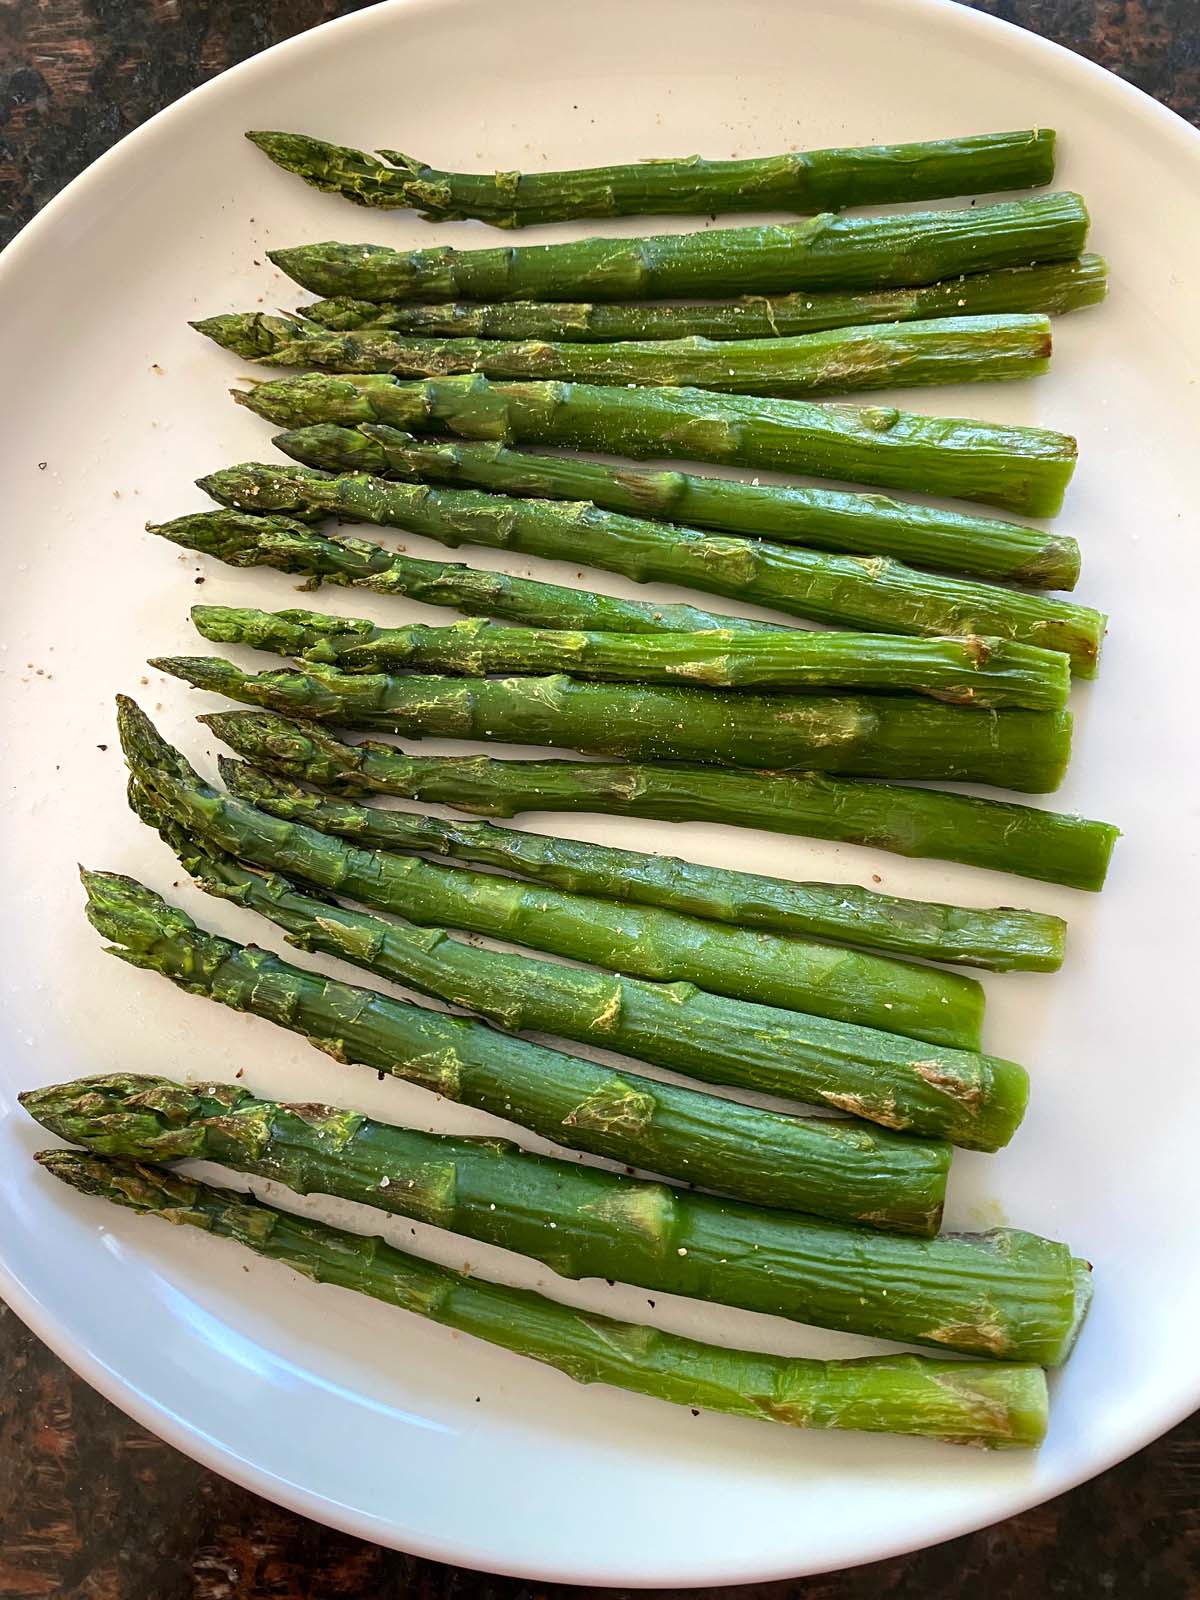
[341, 1408]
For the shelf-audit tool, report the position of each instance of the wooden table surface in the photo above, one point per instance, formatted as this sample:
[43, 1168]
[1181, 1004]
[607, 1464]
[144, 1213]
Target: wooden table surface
[94, 1508]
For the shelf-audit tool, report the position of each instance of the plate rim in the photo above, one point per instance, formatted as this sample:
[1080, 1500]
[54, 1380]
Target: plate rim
[173, 1427]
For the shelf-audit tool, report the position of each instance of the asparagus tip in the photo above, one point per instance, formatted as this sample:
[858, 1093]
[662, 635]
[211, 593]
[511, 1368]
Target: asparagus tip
[141, 742]
[103, 1093]
[213, 673]
[112, 894]
[62, 1163]
[128, 1183]
[250, 335]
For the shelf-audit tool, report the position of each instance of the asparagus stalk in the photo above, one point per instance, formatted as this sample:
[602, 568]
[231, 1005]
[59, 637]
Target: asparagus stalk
[270, 540]
[1003, 1294]
[1001, 939]
[981, 1403]
[972, 1100]
[946, 1008]
[801, 181]
[877, 736]
[1053, 289]
[837, 361]
[847, 1170]
[827, 252]
[1019, 468]
[973, 671]
[1049, 845]
[824, 519]
[874, 593]
[260, 540]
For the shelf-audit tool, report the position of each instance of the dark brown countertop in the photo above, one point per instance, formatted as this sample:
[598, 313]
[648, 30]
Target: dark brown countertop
[94, 1508]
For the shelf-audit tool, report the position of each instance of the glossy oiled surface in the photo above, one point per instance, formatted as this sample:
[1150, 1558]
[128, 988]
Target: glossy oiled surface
[711, 1499]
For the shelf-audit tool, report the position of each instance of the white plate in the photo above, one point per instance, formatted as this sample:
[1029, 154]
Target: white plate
[372, 1420]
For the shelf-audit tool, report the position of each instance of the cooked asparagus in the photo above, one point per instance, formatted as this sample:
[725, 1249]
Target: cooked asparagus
[261, 540]
[836, 361]
[945, 1008]
[1021, 469]
[912, 822]
[1004, 1294]
[800, 181]
[874, 735]
[827, 252]
[999, 938]
[1053, 289]
[824, 519]
[848, 1170]
[869, 593]
[970, 1099]
[980, 1403]
[972, 671]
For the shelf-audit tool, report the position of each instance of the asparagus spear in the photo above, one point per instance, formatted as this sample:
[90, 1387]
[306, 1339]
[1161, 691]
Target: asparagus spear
[875, 735]
[911, 822]
[827, 252]
[1022, 469]
[972, 671]
[981, 1403]
[1053, 288]
[850, 1171]
[1004, 1294]
[269, 540]
[824, 519]
[800, 181]
[837, 361]
[945, 1008]
[871, 593]
[1001, 939]
[260, 540]
[969, 1099]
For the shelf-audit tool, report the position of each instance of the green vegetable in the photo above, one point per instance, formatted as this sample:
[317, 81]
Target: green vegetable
[1003, 1294]
[945, 1007]
[848, 1170]
[912, 822]
[972, 671]
[1020, 468]
[1055, 288]
[800, 181]
[260, 540]
[867, 592]
[1003, 1406]
[1001, 939]
[825, 519]
[837, 361]
[875, 735]
[827, 252]
[972, 1100]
